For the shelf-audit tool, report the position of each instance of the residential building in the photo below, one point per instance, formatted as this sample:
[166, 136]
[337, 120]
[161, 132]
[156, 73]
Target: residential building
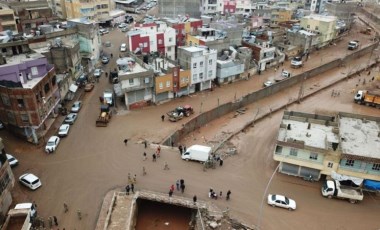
[212, 6]
[229, 70]
[317, 6]
[244, 7]
[231, 27]
[152, 37]
[174, 8]
[314, 144]
[229, 7]
[324, 26]
[183, 26]
[32, 14]
[212, 38]
[29, 95]
[89, 41]
[97, 10]
[279, 15]
[136, 81]
[7, 19]
[7, 181]
[202, 63]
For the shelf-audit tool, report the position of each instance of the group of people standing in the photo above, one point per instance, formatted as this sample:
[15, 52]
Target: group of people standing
[180, 185]
[212, 194]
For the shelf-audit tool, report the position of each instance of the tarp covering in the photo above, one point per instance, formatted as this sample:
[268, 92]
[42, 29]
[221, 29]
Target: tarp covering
[73, 88]
[340, 177]
[372, 184]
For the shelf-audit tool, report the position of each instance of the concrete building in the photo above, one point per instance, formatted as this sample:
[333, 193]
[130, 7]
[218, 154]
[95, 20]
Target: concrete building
[279, 15]
[202, 63]
[244, 7]
[137, 82]
[228, 71]
[152, 37]
[343, 11]
[97, 10]
[7, 19]
[212, 38]
[210, 7]
[7, 182]
[183, 26]
[231, 27]
[229, 7]
[174, 8]
[30, 95]
[344, 144]
[323, 26]
[89, 41]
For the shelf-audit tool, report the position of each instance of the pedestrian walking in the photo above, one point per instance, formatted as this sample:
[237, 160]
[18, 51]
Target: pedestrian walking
[221, 194]
[129, 178]
[228, 195]
[127, 188]
[163, 118]
[210, 192]
[172, 143]
[125, 141]
[184, 148]
[106, 75]
[183, 188]
[135, 179]
[170, 193]
[154, 157]
[178, 185]
[166, 167]
[182, 181]
[158, 150]
[79, 213]
[65, 207]
[144, 156]
[132, 188]
[144, 171]
[55, 220]
[180, 149]
[195, 199]
[221, 162]
[145, 144]
[111, 55]
[50, 221]
[172, 187]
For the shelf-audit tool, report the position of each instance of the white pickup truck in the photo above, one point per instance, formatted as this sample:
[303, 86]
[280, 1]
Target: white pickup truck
[352, 45]
[296, 62]
[332, 188]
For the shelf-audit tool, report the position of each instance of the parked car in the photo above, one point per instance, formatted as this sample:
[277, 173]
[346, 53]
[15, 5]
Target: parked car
[123, 47]
[52, 144]
[70, 119]
[12, 160]
[105, 59]
[76, 107]
[268, 83]
[103, 31]
[122, 25]
[30, 180]
[285, 74]
[281, 201]
[125, 29]
[107, 44]
[64, 130]
[97, 73]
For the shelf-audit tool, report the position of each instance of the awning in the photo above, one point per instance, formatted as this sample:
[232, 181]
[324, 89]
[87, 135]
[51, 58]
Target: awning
[73, 88]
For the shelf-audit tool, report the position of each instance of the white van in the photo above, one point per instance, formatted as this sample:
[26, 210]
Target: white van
[197, 153]
[123, 47]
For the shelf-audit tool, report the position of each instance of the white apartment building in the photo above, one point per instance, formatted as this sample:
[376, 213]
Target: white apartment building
[212, 6]
[202, 63]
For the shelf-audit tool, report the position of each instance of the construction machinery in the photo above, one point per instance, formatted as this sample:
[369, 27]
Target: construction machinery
[104, 116]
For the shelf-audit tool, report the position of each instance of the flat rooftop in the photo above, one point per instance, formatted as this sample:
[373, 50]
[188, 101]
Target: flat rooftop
[317, 136]
[17, 59]
[129, 66]
[360, 137]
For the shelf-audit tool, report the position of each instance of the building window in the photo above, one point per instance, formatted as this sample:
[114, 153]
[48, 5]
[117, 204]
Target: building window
[20, 103]
[6, 100]
[330, 164]
[195, 77]
[4, 183]
[313, 156]
[34, 71]
[350, 162]
[47, 88]
[11, 117]
[316, 27]
[25, 118]
[145, 44]
[54, 80]
[201, 64]
[161, 85]
[278, 149]
[167, 83]
[201, 76]
[131, 81]
[175, 84]
[194, 65]
[376, 167]
[210, 62]
[308, 26]
[146, 80]
[159, 41]
[293, 152]
[170, 39]
[210, 73]
[169, 49]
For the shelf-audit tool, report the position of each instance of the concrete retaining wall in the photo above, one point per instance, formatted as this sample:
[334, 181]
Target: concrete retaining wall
[208, 116]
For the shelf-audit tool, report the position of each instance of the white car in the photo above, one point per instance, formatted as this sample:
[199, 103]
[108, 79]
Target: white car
[52, 144]
[63, 130]
[76, 106]
[103, 31]
[30, 181]
[268, 83]
[97, 73]
[285, 74]
[281, 201]
[12, 160]
[122, 25]
[70, 119]
[123, 47]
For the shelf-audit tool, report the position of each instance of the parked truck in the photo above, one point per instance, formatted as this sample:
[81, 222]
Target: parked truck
[20, 217]
[369, 98]
[352, 45]
[296, 62]
[180, 112]
[333, 188]
[197, 153]
[104, 116]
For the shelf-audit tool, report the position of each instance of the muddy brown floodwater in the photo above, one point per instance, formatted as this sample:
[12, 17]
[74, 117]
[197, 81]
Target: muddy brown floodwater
[161, 216]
